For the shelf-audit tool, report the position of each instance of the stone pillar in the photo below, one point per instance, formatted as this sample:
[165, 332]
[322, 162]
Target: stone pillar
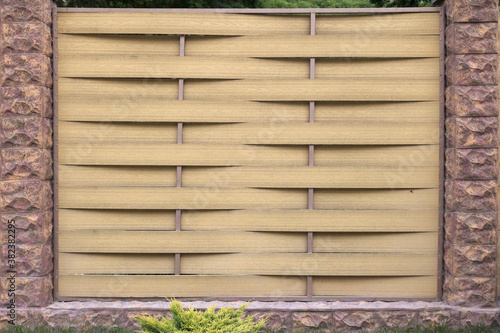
[472, 153]
[25, 148]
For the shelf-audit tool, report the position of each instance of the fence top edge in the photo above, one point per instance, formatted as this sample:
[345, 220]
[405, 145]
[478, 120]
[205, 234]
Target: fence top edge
[254, 11]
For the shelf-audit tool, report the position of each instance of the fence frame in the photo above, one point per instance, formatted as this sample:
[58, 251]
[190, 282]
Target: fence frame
[306, 11]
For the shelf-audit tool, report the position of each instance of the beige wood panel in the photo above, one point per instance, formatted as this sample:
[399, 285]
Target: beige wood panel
[359, 176]
[87, 219]
[348, 89]
[342, 264]
[105, 241]
[396, 69]
[182, 23]
[160, 66]
[180, 198]
[386, 24]
[319, 46]
[180, 286]
[411, 243]
[364, 111]
[117, 92]
[102, 45]
[312, 220]
[146, 109]
[425, 199]
[404, 158]
[91, 133]
[185, 154]
[74, 176]
[340, 133]
[401, 286]
[76, 263]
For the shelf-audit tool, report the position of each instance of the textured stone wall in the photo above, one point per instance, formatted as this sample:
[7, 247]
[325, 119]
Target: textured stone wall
[472, 153]
[25, 148]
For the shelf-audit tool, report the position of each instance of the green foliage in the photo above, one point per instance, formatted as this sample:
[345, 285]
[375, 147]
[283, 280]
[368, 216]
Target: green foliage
[315, 3]
[226, 320]
[401, 3]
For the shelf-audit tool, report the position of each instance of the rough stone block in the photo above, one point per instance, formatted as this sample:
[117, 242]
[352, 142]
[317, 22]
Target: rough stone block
[27, 163]
[472, 11]
[472, 101]
[470, 260]
[465, 195]
[25, 196]
[472, 69]
[31, 228]
[320, 322]
[479, 164]
[26, 101]
[276, 320]
[354, 321]
[27, 11]
[471, 228]
[26, 69]
[31, 260]
[30, 291]
[473, 132]
[26, 132]
[467, 38]
[470, 291]
[27, 37]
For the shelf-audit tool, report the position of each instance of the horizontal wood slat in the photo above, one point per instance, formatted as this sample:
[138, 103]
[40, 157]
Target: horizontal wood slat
[94, 219]
[76, 263]
[348, 89]
[401, 286]
[104, 241]
[179, 198]
[318, 46]
[253, 220]
[389, 132]
[339, 264]
[180, 286]
[182, 24]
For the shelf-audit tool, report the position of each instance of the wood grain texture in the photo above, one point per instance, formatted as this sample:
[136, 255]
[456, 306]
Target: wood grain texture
[348, 89]
[404, 286]
[180, 286]
[312, 220]
[338, 264]
[318, 46]
[105, 241]
[182, 24]
[91, 219]
[76, 263]
[359, 176]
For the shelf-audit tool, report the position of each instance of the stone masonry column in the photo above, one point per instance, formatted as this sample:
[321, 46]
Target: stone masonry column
[25, 149]
[472, 153]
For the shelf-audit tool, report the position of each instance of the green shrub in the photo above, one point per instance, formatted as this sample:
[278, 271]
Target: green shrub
[225, 320]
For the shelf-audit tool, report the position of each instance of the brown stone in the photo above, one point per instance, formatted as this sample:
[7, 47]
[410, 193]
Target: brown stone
[354, 320]
[473, 132]
[396, 319]
[472, 101]
[470, 260]
[31, 228]
[25, 196]
[466, 38]
[26, 69]
[470, 291]
[275, 320]
[472, 11]
[27, 11]
[27, 163]
[465, 195]
[305, 321]
[472, 69]
[30, 291]
[26, 132]
[479, 164]
[27, 37]
[31, 260]
[471, 228]
[26, 101]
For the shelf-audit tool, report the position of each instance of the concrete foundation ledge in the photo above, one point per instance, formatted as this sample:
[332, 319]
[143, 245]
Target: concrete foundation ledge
[287, 316]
